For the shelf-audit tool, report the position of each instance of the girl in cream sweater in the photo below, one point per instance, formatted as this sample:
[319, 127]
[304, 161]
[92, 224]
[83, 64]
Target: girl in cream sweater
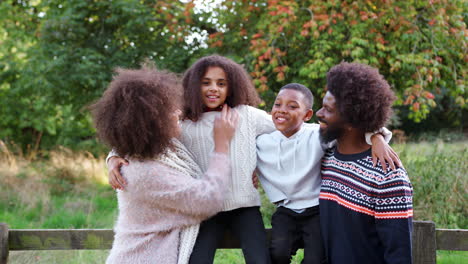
[210, 83]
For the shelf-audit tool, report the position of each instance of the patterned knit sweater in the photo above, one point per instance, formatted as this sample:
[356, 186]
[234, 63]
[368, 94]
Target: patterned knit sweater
[198, 138]
[159, 202]
[366, 214]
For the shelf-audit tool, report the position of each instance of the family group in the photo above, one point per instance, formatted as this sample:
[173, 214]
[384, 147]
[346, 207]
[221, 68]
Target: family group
[187, 154]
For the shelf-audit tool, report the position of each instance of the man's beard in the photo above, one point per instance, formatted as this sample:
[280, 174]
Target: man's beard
[332, 132]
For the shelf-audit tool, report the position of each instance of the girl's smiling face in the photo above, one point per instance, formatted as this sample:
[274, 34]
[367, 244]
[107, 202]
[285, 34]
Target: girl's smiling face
[214, 87]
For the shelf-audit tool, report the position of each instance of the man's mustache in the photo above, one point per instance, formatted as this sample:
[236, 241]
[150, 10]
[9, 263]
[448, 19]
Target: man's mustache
[321, 120]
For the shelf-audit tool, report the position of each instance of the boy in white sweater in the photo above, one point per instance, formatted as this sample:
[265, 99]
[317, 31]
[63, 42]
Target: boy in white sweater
[288, 162]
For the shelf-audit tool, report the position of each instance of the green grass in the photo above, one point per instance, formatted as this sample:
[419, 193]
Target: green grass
[438, 173]
[69, 191]
[58, 256]
[452, 257]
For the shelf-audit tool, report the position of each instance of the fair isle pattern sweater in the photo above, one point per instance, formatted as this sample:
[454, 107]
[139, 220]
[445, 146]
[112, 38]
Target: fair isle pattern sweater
[365, 213]
[198, 138]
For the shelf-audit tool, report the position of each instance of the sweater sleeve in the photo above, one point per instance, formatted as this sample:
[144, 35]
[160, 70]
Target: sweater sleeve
[387, 134]
[111, 154]
[394, 217]
[263, 122]
[175, 191]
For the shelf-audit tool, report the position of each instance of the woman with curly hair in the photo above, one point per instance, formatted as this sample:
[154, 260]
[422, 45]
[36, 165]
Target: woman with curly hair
[166, 192]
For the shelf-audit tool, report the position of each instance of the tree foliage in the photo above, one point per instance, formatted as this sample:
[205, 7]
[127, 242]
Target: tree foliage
[57, 56]
[419, 46]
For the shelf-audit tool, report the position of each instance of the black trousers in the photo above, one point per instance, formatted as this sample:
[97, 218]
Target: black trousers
[245, 223]
[291, 231]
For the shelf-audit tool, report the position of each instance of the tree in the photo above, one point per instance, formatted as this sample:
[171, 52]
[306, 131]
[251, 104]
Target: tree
[419, 46]
[58, 56]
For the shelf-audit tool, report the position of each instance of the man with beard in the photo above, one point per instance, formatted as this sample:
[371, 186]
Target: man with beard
[365, 212]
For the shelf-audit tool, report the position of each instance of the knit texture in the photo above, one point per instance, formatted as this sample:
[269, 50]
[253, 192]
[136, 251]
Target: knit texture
[366, 214]
[162, 205]
[182, 160]
[198, 138]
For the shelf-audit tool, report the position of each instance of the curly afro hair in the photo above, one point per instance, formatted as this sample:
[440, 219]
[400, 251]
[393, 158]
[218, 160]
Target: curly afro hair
[241, 90]
[135, 114]
[363, 97]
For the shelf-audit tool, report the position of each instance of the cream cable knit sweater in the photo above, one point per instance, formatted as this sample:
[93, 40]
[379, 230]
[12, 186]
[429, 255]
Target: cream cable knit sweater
[160, 200]
[198, 138]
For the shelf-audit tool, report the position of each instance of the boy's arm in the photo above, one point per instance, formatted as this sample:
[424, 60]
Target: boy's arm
[381, 150]
[371, 138]
[387, 135]
[394, 218]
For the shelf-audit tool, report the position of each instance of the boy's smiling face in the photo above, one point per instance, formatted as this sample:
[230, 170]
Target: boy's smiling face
[290, 111]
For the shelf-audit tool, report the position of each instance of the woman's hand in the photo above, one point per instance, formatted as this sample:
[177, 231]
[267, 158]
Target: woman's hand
[383, 152]
[116, 180]
[224, 128]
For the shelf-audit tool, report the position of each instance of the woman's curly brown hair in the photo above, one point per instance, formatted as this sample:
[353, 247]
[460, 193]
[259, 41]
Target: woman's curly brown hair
[135, 114]
[241, 90]
[363, 97]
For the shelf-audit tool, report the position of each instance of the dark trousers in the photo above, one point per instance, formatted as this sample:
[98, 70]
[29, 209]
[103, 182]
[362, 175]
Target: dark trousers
[291, 231]
[244, 223]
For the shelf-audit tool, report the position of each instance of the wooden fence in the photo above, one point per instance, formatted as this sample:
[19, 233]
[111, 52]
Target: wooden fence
[426, 240]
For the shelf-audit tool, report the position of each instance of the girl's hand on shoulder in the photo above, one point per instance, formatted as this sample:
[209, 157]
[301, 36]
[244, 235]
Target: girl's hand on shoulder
[224, 128]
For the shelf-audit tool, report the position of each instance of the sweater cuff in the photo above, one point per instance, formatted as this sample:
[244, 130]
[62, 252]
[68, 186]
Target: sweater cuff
[111, 154]
[387, 134]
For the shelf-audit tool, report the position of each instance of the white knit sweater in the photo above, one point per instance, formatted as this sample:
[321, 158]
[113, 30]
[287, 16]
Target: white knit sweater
[198, 138]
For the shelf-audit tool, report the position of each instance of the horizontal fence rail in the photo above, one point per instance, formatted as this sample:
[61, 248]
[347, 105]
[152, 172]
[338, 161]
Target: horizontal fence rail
[452, 239]
[426, 240]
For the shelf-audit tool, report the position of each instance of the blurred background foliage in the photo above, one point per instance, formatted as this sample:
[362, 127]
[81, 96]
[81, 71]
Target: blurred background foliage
[58, 56]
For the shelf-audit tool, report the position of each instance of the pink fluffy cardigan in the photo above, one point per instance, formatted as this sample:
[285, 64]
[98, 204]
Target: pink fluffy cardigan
[157, 203]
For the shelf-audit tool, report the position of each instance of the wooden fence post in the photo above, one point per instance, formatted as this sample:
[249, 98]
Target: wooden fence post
[3, 243]
[424, 242]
